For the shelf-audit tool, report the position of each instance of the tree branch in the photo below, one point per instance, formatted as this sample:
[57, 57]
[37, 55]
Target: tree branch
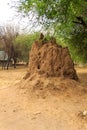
[80, 21]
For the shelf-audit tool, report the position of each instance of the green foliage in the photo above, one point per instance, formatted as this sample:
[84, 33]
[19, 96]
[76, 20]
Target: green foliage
[56, 11]
[23, 44]
[68, 18]
[78, 45]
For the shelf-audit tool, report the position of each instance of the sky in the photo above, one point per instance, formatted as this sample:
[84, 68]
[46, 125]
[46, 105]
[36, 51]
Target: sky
[6, 12]
[9, 15]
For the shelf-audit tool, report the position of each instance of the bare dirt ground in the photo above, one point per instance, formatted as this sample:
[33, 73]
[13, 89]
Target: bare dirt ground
[59, 111]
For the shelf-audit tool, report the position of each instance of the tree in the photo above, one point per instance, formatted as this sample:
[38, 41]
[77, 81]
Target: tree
[7, 36]
[23, 43]
[78, 44]
[66, 17]
[57, 12]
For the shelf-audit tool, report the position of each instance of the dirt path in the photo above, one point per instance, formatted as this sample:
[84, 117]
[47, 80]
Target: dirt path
[52, 113]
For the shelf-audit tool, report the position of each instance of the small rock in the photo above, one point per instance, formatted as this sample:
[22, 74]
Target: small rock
[85, 113]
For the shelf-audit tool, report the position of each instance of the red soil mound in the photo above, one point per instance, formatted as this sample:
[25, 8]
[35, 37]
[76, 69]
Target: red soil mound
[51, 60]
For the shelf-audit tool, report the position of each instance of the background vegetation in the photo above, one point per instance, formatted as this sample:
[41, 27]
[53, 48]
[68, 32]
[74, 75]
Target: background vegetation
[66, 20]
[24, 43]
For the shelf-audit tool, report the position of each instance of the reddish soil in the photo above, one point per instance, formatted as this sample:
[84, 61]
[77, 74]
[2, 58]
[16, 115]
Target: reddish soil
[51, 60]
[57, 109]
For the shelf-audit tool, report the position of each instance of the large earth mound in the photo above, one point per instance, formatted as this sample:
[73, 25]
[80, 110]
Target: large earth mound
[51, 60]
[50, 89]
[50, 69]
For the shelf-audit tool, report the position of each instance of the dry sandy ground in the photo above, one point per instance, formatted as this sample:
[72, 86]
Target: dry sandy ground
[59, 111]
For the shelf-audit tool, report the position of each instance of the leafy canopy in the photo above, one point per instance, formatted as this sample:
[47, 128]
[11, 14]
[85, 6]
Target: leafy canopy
[68, 19]
[55, 12]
